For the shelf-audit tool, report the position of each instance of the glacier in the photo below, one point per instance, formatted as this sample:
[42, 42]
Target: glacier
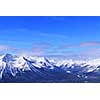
[35, 69]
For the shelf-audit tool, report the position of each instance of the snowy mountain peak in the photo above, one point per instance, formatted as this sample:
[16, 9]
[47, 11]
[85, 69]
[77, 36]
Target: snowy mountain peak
[7, 58]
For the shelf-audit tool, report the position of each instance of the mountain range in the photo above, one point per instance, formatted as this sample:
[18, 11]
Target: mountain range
[34, 69]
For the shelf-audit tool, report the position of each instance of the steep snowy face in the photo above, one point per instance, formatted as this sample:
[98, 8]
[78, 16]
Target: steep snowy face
[13, 61]
[14, 64]
[41, 62]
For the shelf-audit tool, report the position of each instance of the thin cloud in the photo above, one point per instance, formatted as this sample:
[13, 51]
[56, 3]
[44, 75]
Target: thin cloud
[41, 45]
[40, 48]
[37, 49]
[92, 51]
[91, 43]
[53, 35]
[6, 47]
[83, 44]
[89, 48]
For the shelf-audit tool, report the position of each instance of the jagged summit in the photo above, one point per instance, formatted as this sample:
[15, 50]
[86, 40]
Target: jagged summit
[8, 57]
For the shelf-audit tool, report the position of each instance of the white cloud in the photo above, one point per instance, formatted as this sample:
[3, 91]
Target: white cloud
[54, 35]
[83, 44]
[5, 47]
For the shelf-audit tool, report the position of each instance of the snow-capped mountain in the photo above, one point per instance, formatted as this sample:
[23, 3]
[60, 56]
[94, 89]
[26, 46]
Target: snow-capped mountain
[39, 68]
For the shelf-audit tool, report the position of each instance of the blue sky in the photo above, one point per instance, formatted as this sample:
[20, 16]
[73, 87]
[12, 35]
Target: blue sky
[50, 35]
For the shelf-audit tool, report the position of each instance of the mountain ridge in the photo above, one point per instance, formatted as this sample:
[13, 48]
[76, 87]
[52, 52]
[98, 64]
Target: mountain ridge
[43, 68]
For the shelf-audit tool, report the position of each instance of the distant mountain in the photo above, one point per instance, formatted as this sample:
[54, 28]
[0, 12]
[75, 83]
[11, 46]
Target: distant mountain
[15, 68]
